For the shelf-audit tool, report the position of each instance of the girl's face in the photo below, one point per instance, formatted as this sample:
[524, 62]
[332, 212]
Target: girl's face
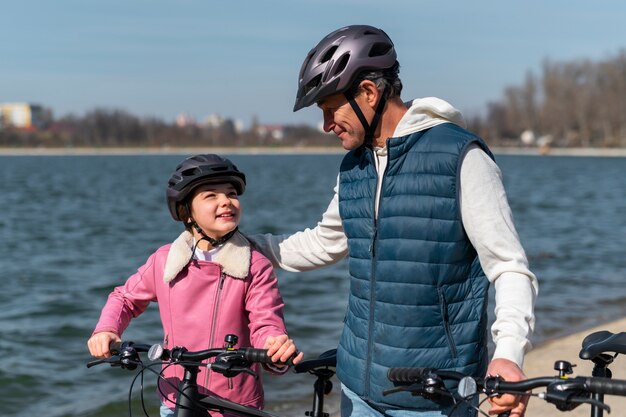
[216, 209]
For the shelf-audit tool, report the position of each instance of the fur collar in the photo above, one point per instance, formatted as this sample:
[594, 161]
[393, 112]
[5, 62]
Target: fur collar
[234, 257]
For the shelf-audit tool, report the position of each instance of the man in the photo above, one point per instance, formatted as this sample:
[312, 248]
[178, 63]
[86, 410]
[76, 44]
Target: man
[421, 212]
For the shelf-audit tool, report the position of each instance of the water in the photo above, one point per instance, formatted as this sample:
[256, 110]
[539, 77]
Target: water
[72, 227]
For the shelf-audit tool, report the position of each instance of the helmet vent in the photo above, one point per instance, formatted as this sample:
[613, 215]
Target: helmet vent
[379, 49]
[342, 64]
[312, 84]
[190, 171]
[328, 54]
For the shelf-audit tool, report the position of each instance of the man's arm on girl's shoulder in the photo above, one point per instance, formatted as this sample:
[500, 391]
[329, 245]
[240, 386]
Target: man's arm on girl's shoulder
[309, 249]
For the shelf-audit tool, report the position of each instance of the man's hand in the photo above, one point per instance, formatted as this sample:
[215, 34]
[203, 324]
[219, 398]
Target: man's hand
[509, 371]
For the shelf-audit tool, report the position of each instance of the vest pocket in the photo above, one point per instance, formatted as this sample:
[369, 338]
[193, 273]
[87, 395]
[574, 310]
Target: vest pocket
[443, 305]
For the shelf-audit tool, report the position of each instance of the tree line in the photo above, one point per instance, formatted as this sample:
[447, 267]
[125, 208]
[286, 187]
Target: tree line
[570, 104]
[119, 128]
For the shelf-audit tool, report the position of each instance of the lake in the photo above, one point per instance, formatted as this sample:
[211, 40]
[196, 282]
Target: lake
[73, 227]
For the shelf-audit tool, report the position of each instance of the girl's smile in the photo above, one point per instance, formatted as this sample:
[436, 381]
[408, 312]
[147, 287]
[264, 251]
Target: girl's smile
[216, 209]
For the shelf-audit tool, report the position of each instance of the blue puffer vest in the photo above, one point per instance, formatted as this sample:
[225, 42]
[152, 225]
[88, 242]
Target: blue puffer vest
[418, 295]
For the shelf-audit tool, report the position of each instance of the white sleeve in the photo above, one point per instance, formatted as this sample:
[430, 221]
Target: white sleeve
[323, 245]
[488, 221]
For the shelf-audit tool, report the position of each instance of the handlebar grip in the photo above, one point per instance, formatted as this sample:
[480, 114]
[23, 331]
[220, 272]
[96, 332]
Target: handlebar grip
[406, 374]
[256, 355]
[115, 348]
[260, 356]
[607, 386]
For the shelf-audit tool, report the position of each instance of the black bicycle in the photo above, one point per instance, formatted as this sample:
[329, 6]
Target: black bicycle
[565, 392]
[228, 362]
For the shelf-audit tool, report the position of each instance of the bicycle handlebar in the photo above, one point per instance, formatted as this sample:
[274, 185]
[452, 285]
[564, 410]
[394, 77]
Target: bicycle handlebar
[606, 386]
[497, 386]
[412, 375]
[566, 393]
[228, 360]
[247, 354]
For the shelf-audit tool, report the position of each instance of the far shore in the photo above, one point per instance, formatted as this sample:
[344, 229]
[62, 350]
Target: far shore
[168, 150]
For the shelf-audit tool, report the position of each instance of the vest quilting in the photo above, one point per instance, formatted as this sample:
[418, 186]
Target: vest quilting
[418, 295]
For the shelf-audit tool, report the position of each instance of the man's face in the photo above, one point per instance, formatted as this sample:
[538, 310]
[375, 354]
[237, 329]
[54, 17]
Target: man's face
[340, 118]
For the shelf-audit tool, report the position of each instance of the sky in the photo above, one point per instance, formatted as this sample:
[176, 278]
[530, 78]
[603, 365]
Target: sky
[240, 59]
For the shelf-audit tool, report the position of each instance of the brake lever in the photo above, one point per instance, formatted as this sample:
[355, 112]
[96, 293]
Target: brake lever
[95, 362]
[593, 402]
[229, 370]
[113, 360]
[250, 372]
[563, 400]
[414, 389]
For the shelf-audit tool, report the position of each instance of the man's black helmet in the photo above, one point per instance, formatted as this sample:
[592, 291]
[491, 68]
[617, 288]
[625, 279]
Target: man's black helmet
[333, 65]
[197, 170]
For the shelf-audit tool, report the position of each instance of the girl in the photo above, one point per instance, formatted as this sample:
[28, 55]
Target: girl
[208, 283]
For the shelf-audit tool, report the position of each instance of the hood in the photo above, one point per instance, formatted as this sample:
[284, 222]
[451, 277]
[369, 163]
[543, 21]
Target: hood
[425, 113]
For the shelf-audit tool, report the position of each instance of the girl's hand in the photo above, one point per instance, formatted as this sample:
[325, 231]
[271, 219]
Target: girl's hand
[99, 343]
[281, 348]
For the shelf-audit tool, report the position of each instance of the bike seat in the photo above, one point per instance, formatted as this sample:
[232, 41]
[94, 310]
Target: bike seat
[326, 361]
[603, 342]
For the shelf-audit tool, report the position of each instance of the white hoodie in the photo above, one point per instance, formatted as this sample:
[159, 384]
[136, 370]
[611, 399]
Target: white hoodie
[487, 219]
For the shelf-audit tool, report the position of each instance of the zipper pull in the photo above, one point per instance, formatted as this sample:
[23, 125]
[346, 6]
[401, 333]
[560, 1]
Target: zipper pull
[372, 247]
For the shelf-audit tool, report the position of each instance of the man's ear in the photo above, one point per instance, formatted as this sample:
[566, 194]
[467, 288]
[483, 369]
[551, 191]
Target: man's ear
[372, 95]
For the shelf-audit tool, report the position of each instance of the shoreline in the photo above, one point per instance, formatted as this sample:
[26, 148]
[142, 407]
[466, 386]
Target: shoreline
[135, 151]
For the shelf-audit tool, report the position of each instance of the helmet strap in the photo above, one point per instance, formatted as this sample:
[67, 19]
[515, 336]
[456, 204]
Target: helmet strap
[370, 128]
[214, 242]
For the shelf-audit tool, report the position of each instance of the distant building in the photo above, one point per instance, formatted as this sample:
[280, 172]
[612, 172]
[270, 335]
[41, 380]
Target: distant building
[213, 121]
[276, 132]
[21, 115]
[183, 120]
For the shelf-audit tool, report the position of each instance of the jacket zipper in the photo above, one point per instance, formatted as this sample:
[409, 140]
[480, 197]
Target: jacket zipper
[370, 343]
[214, 324]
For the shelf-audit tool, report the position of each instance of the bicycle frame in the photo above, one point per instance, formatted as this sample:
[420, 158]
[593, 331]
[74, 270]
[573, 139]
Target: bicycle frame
[190, 403]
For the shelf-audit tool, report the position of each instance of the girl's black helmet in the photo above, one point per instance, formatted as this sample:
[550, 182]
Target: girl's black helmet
[333, 65]
[197, 170]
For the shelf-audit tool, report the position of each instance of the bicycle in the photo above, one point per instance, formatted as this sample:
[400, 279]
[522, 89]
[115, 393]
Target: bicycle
[565, 392]
[228, 362]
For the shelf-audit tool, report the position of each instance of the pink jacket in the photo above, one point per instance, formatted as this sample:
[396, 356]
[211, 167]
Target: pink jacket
[200, 303]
